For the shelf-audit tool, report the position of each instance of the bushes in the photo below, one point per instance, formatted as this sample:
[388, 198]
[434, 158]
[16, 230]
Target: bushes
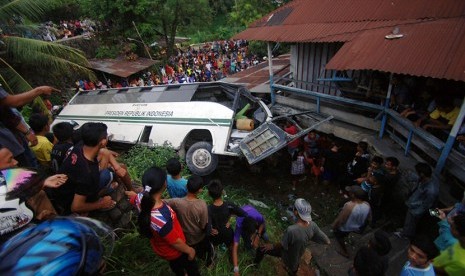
[133, 254]
[139, 158]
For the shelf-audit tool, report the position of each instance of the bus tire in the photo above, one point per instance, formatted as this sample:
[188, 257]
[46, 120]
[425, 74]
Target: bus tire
[200, 159]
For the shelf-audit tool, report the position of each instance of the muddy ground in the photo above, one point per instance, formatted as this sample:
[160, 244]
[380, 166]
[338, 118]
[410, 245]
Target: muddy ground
[271, 181]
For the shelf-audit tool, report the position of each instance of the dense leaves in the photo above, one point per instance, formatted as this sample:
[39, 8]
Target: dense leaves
[21, 58]
[155, 20]
[139, 158]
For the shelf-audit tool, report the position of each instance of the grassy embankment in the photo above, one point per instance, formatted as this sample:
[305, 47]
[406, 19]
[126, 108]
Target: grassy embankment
[132, 254]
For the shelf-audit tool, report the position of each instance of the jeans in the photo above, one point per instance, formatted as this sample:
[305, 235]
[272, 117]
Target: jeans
[410, 225]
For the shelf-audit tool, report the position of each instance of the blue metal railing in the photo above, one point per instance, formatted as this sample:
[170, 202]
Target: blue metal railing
[384, 111]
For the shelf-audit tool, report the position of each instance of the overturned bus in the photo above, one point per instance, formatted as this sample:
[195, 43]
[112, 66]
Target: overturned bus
[199, 120]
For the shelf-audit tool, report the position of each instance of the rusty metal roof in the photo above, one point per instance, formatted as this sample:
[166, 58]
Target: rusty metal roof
[433, 45]
[121, 67]
[431, 49]
[313, 20]
[316, 32]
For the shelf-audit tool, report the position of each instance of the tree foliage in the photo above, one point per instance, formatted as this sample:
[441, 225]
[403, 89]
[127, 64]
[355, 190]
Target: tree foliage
[22, 58]
[245, 12]
[153, 18]
[221, 6]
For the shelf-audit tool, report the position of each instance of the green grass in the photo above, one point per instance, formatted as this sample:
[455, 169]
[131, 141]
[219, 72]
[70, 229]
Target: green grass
[133, 255]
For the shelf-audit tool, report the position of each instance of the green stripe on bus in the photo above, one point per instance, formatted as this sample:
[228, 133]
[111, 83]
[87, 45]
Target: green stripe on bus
[183, 121]
[145, 118]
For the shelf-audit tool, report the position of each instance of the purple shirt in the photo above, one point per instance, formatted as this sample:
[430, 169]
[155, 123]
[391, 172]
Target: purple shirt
[251, 212]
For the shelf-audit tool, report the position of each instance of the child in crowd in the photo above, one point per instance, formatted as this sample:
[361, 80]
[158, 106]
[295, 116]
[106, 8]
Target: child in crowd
[420, 254]
[40, 125]
[297, 167]
[316, 165]
[311, 143]
[193, 216]
[219, 213]
[158, 222]
[176, 183]
[63, 133]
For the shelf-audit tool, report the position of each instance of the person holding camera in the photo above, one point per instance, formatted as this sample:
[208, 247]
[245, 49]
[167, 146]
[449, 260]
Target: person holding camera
[445, 238]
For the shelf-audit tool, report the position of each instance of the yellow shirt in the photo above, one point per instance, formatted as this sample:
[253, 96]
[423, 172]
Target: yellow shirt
[43, 150]
[452, 260]
[451, 116]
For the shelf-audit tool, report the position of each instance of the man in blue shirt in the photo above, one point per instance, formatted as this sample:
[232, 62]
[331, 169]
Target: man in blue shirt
[422, 198]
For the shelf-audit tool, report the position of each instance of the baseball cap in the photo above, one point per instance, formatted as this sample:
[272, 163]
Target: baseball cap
[304, 209]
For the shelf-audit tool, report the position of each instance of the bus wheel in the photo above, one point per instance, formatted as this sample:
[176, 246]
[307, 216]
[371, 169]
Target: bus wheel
[200, 159]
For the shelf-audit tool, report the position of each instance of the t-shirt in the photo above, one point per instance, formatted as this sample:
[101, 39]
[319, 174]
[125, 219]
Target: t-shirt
[42, 150]
[295, 240]
[83, 179]
[292, 130]
[450, 117]
[357, 217]
[176, 187]
[452, 260]
[358, 166]
[58, 154]
[251, 212]
[408, 270]
[220, 215]
[165, 228]
[193, 216]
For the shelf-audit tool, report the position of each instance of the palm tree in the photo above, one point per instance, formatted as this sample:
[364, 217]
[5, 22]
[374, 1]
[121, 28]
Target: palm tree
[33, 54]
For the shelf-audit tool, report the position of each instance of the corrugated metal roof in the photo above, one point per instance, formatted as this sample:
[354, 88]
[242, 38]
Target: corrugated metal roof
[121, 67]
[338, 20]
[337, 11]
[434, 44]
[316, 32]
[431, 49]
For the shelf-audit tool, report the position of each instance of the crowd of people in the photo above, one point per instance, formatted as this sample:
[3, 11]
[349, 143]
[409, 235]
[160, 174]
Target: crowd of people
[81, 176]
[377, 192]
[212, 62]
[50, 31]
[425, 105]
